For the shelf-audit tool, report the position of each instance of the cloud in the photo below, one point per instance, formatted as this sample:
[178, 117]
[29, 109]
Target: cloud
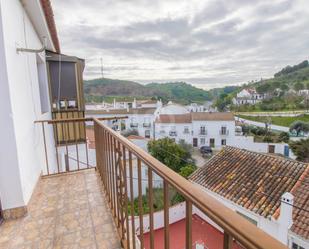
[206, 43]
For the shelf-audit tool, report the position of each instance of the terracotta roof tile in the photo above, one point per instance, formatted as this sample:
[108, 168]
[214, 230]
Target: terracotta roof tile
[216, 116]
[253, 180]
[122, 111]
[175, 119]
[195, 116]
[301, 200]
[49, 16]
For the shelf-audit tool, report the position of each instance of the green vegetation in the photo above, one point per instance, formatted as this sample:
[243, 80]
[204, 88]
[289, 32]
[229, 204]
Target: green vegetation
[158, 203]
[276, 120]
[299, 127]
[107, 90]
[171, 154]
[264, 135]
[178, 158]
[301, 149]
[281, 91]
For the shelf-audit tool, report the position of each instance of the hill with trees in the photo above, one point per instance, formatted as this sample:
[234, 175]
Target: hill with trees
[281, 91]
[105, 89]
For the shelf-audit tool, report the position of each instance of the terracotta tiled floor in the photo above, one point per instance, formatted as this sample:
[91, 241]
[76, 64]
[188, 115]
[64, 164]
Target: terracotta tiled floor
[65, 212]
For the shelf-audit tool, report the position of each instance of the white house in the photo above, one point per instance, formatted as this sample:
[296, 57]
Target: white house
[197, 128]
[27, 29]
[269, 191]
[139, 119]
[248, 96]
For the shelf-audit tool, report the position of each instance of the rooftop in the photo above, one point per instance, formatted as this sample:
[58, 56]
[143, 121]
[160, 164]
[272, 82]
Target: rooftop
[195, 116]
[142, 110]
[65, 211]
[257, 181]
[202, 233]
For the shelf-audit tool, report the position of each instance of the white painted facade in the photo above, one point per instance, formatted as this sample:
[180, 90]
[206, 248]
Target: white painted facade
[23, 99]
[248, 96]
[199, 133]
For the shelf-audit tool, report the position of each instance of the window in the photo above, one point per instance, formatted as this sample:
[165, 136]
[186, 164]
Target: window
[147, 133]
[203, 130]
[271, 149]
[223, 142]
[223, 130]
[186, 130]
[212, 142]
[202, 141]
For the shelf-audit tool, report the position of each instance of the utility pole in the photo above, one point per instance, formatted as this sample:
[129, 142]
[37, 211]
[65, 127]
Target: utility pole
[102, 75]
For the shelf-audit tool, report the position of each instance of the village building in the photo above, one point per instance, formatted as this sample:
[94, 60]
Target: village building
[248, 96]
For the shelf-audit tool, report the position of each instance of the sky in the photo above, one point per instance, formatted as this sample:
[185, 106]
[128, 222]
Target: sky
[207, 43]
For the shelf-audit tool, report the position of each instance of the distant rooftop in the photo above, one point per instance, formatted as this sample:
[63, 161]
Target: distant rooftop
[202, 233]
[195, 116]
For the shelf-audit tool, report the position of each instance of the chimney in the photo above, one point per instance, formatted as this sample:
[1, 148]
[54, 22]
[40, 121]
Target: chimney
[134, 104]
[286, 216]
[286, 209]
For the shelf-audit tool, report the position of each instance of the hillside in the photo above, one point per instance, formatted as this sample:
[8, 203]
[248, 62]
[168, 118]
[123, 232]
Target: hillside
[281, 91]
[105, 89]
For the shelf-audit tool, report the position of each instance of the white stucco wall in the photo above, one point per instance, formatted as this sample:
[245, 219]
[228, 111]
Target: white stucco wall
[247, 142]
[271, 226]
[24, 145]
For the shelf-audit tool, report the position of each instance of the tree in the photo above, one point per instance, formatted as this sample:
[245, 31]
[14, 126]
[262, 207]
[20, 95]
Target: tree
[169, 153]
[298, 86]
[186, 171]
[301, 149]
[299, 126]
[284, 137]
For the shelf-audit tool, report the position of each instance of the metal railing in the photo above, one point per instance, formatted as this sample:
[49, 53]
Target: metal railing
[66, 144]
[148, 124]
[114, 157]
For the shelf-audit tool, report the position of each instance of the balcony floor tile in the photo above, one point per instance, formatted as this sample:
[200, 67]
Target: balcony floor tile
[67, 212]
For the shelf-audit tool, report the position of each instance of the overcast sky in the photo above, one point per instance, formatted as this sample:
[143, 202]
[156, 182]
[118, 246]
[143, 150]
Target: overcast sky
[207, 43]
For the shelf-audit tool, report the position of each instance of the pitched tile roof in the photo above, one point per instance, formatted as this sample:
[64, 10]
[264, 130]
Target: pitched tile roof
[213, 116]
[174, 118]
[195, 116]
[253, 180]
[301, 201]
[49, 16]
[122, 111]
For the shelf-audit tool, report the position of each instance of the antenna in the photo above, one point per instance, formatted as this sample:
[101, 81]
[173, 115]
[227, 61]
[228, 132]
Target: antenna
[102, 68]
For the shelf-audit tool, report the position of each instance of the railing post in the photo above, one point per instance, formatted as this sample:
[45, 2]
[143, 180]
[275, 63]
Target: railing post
[150, 195]
[140, 202]
[188, 224]
[132, 200]
[166, 216]
[228, 241]
[45, 148]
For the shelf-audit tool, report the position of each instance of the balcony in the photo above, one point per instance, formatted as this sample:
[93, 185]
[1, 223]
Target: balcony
[147, 125]
[82, 207]
[224, 132]
[173, 133]
[134, 125]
